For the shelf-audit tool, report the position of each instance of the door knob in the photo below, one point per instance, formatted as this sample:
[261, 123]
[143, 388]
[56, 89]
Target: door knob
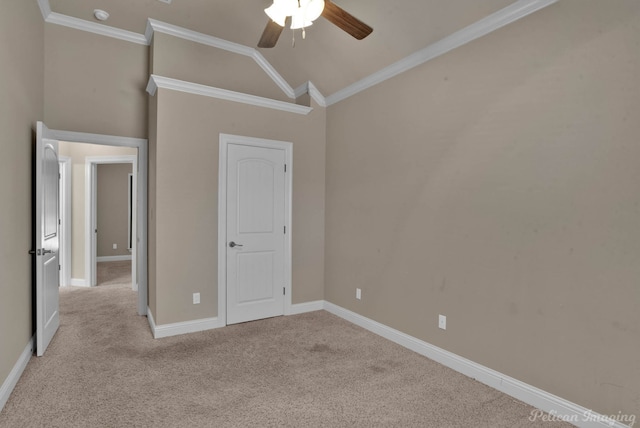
[46, 252]
[233, 244]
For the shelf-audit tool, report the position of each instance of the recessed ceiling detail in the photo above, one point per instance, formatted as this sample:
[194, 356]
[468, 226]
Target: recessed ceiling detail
[408, 33]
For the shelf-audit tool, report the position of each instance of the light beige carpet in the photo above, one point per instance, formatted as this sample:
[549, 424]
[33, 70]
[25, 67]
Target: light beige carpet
[110, 273]
[104, 369]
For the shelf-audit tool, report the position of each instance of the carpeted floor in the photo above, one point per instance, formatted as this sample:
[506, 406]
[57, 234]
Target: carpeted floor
[111, 273]
[104, 369]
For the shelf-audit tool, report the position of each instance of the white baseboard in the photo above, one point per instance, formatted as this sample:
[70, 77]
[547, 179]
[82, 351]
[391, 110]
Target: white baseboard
[113, 258]
[301, 308]
[78, 282]
[174, 329]
[557, 408]
[15, 373]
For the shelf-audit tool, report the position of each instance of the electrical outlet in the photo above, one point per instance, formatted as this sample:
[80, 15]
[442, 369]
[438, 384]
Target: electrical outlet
[196, 298]
[115, 246]
[358, 294]
[442, 322]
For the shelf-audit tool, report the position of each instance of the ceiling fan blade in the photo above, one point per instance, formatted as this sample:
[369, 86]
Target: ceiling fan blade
[270, 35]
[344, 20]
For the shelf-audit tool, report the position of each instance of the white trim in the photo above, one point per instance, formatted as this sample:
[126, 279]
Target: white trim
[45, 8]
[301, 90]
[205, 39]
[552, 404]
[302, 308]
[122, 258]
[317, 95]
[194, 36]
[225, 140]
[14, 375]
[78, 282]
[102, 139]
[174, 329]
[310, 88]
[94, 27]
[507, 15]
[156, 82]
[66, 220]
[273, 73]
[141, 144]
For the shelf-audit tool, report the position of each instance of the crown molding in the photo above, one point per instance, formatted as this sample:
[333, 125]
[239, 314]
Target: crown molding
[272, 73]
[156, 82]
[93, 27]
[499, 19]
[317, 95]
[194, 36]
[301, 90]
[205, 39]
[310, 88]
[45, 8]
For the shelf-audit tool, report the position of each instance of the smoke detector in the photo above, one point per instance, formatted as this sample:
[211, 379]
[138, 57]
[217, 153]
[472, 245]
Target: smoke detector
[101, 15]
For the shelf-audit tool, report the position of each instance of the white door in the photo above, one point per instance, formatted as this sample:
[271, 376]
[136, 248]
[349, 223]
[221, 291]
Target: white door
[255, 233]
[47, 238]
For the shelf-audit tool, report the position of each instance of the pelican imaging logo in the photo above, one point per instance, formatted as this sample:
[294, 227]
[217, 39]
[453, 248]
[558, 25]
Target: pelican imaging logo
[588, 416]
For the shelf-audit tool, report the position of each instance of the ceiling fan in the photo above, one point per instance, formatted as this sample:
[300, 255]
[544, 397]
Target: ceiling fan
[332, 12]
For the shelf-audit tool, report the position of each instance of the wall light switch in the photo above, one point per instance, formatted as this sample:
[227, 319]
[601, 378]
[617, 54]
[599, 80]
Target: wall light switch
[442, 322]
[358, 294]
[115, 246]
[196, 298]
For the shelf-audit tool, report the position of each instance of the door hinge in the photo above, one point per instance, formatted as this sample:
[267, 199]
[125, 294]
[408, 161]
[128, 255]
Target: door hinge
[285, 167]
[284, 291]
[285, 230]
[59, 268]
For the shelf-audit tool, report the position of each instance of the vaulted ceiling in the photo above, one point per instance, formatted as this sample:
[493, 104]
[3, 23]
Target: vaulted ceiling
[328, 57]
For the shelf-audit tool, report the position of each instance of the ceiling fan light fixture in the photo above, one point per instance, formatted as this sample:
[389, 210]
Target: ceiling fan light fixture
[299, 21]
[302, 12]
[312, 9]
[276, 13]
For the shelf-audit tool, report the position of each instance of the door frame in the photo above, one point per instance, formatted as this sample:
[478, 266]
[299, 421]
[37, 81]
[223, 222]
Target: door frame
[225, 141]
[91, 214]
[141, 220]
[65, 220]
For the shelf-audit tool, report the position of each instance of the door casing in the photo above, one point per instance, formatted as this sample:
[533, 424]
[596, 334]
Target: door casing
[225, 141]
[65, 220]
[91, 214]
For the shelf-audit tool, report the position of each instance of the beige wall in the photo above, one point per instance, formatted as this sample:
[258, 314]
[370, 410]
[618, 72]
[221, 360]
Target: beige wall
[21, 100]
[78, 153]
[113, 209]
[94, 84]
[211, 66]
[183, 211]
[498, 185]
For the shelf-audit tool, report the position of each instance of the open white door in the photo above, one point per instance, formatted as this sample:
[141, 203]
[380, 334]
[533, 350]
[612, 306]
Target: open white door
[47, 238]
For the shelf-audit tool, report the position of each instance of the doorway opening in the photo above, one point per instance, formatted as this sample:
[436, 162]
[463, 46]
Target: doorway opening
[108, 209]
[82, 243]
